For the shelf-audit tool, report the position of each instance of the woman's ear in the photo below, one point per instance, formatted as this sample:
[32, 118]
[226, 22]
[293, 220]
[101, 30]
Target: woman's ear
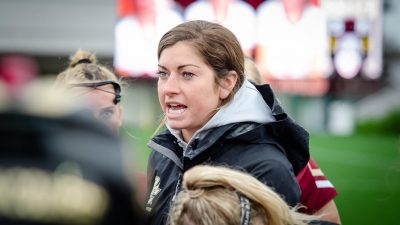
[227, 84]
[120, 115]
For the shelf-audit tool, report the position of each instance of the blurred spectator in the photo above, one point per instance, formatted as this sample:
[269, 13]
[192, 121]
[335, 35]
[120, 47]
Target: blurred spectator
[56, 166]
[137, 34]
[236, 15]
[292, 41]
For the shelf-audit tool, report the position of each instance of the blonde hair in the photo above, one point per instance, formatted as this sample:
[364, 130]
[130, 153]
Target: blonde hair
[210, 195]
[251, 71]
[83, 67]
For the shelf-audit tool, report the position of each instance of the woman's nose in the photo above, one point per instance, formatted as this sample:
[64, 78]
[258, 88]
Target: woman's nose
[171, 85]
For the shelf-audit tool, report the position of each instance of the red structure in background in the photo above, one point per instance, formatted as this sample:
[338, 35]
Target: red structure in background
[254, 3]
[315, 2]
[16, 71]
[125, 8]
[184, 3]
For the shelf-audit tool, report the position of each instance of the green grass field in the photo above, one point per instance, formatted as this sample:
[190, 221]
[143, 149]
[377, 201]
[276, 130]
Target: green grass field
[364, 168]
[366, 171]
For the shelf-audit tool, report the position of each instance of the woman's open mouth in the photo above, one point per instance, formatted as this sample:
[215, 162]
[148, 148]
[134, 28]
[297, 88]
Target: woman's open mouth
[176, 108]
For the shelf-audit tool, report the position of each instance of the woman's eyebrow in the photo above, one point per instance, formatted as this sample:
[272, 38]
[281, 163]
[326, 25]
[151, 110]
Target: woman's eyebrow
[185, 65]
[107, 108]
[179, 67]
[162, 67]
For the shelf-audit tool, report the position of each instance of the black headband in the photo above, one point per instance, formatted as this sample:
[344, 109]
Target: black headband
[117, 87]
[81, 61]
[245, 209]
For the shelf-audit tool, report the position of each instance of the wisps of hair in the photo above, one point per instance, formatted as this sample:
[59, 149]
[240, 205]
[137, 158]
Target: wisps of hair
[84, 68]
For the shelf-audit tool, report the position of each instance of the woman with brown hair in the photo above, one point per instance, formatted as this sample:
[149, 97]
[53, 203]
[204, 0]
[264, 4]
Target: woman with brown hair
[215, 116]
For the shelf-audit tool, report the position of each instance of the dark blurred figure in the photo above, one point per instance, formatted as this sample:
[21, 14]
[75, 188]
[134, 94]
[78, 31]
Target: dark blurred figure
[59, 165]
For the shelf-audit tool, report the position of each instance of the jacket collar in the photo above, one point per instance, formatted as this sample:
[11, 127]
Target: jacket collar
[283, 131]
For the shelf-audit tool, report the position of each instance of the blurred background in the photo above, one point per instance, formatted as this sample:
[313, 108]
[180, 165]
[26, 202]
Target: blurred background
[347, 96]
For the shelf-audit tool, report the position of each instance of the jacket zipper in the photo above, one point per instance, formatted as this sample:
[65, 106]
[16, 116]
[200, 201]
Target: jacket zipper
[177, 187]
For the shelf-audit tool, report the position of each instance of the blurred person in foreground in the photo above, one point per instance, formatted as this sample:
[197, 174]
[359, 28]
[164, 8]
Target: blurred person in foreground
[224, 196]
[317, 192]
[215, 116]
[100, 89]
[59, 165]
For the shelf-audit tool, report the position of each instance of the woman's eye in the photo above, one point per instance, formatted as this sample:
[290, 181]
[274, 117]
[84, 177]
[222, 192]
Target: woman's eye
[162, 74]
[106, 114]
[187, 75]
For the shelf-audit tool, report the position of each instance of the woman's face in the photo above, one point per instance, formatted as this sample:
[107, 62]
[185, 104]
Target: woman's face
[101, 101]
[187, 90]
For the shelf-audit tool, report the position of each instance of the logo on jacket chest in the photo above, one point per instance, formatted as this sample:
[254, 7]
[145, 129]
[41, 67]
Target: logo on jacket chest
[154, 192]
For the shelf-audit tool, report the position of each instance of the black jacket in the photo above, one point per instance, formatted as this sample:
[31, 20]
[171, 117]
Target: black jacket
[272, 152]
[52, 150]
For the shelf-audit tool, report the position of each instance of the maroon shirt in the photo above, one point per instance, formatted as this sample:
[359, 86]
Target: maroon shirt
[316, 189]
